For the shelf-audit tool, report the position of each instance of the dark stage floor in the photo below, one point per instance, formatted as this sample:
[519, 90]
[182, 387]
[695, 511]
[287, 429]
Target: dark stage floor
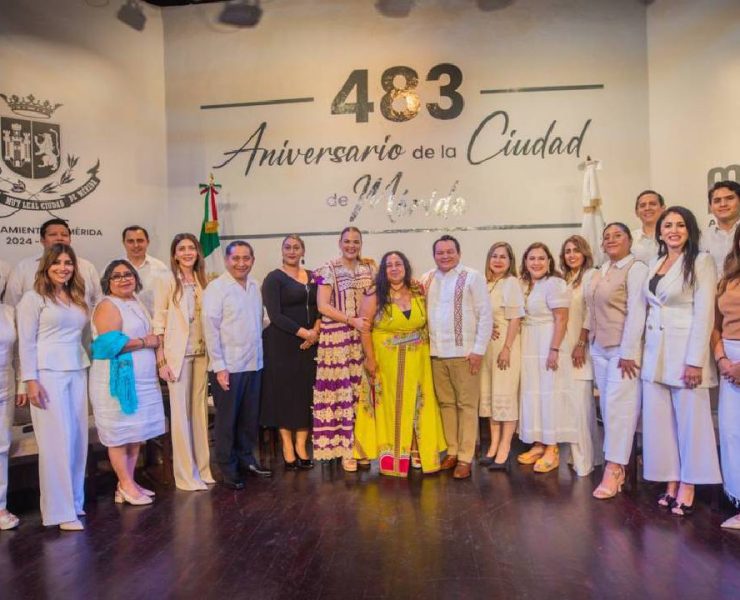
[327, 534]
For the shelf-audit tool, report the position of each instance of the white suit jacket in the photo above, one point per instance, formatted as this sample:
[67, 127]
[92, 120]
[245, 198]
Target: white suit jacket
[679, 322]
[171, 320]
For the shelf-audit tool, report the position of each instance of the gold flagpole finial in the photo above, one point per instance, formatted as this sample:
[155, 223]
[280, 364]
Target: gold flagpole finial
[211, 180]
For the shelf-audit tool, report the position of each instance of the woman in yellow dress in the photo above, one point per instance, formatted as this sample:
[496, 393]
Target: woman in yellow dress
[398, 418]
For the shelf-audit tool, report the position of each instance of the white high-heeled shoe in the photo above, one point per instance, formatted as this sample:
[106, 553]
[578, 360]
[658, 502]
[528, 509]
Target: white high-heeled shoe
[146, 492]
[75, 525]
[8, 520]
[121, 496]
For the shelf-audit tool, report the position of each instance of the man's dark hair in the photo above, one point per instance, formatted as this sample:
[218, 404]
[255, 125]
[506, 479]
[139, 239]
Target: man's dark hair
[235, 243]
[134, 228]
[645, 193]
[46, 224]
[446, 238]
[729, 184]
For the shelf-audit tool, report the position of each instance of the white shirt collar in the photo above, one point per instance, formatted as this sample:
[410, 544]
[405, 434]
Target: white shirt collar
[459, 268]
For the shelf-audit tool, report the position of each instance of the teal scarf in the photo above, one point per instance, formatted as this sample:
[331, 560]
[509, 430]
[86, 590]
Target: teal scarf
[122, 382]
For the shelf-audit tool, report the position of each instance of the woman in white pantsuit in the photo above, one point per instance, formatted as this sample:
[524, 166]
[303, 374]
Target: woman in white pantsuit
[726, 345]
[500, 371]
[576, 263]
[51, 319]
[546, 409]
[678, 435]
[615, 320]
[8, 400]
[182, 360]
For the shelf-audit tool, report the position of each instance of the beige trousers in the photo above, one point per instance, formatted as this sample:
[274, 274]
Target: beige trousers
[458, 395]
[189, 425]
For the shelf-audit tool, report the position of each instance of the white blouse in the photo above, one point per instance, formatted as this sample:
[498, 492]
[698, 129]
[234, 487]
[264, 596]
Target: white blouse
[50, 336]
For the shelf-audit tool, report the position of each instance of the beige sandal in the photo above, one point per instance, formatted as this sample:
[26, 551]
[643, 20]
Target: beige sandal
[349, 465]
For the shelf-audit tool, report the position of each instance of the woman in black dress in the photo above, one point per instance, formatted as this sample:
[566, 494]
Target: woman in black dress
[289, 295]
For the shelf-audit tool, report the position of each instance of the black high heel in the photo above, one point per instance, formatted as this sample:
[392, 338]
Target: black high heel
[304, 463]
[666, 500]
[292, 466]
[497, 466]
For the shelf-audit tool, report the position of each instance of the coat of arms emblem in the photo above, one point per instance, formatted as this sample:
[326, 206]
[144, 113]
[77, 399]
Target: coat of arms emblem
[31, 147]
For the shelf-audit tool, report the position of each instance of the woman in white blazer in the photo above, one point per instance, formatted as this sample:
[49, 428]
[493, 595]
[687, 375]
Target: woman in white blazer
[679, 444]
[182, 360]
[51, 319]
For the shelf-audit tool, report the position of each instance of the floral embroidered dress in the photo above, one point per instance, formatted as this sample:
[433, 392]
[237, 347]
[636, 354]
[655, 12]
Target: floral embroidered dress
[402, 403]
[339, 362]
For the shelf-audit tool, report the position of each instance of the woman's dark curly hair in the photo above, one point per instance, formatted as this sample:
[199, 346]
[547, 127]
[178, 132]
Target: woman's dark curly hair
[383, 286]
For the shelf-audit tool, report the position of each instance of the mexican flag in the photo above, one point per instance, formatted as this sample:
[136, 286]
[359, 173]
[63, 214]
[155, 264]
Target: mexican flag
[209, 240]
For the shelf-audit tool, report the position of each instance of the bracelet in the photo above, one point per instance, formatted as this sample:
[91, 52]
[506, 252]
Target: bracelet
[721, 357]
[143, 343]
[554, 349]
[161, 363]
[581, 344]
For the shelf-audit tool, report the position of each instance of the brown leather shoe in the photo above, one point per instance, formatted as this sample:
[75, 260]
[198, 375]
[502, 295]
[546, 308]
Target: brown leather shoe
[462, 470]
[449, 462]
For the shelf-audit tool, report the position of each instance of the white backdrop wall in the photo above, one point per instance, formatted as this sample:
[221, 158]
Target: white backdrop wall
[109, 80]
[309, 49]
[665, 115]
[694, 71]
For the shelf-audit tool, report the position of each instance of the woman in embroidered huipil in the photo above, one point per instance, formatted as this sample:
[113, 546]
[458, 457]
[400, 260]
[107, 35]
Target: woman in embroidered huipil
[182, 360]
[124, 386]
[342, 283]
[499, 382]
[398, 417]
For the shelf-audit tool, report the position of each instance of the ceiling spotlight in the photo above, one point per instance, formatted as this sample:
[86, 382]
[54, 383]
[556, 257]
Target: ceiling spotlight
[241, 13]
[394, 8]
[132, 14]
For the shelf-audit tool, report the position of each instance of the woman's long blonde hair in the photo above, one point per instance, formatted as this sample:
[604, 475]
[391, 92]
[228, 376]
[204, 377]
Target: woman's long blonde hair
[75, 287]
[199, 268]
[512, 264]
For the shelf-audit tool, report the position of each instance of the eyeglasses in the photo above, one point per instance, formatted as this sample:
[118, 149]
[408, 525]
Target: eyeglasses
[121, 276]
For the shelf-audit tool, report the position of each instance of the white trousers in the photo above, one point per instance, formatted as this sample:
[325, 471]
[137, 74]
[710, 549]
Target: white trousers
[7, 410]
[729, 427]
[678, 435]
[189, 425]
[619, 400]
[586, 453]
[61, 435]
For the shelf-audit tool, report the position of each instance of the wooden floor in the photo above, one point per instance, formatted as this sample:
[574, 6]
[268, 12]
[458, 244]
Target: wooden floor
[327, 534]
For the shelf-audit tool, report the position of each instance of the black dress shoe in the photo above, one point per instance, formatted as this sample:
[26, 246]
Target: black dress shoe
[485, 461]
[258, 470]
[293, 465]
[232, 484]
[304, 463]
